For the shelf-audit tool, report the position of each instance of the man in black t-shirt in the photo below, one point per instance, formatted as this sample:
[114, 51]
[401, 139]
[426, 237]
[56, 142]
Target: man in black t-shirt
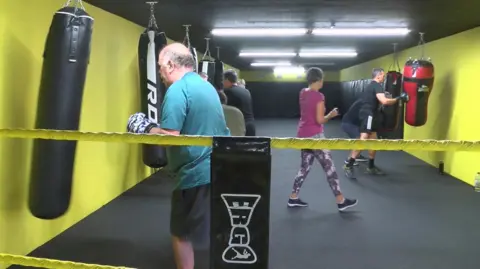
[240, 98]
[365, 114]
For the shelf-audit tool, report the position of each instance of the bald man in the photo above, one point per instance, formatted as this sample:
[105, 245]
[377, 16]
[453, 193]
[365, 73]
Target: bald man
[188, 101]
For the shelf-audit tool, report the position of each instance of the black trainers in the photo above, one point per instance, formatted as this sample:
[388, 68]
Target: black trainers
[375, 171]
[349, 172]
[347, 204]
[296, 203]
[361, 158]
[355, 163]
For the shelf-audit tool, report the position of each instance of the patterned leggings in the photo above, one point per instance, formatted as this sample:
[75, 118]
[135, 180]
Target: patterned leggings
[324, 157]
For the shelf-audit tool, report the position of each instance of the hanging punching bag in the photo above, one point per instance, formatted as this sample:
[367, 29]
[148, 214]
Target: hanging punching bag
[152, 89]
[418, 77]
[208, 67]
[65, 61]
[193, 51]
[391, 114]
[218, 76]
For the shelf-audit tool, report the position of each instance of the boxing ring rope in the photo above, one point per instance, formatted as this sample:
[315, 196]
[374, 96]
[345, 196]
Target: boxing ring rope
[9, 259]
[276, 142]
[279, 143]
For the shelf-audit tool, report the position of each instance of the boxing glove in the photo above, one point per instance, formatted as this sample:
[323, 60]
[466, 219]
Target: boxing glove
[403, 97]
[138, 123]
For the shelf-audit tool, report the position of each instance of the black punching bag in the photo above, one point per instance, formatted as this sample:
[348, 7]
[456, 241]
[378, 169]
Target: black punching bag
[193, 51]
[208, 67]
[218, 77]
[65, 61]
[391, 114]
[152, 89]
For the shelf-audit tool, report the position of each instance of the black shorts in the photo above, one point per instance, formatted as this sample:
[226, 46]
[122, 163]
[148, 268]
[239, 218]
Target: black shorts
[369, 122]
[190, 214]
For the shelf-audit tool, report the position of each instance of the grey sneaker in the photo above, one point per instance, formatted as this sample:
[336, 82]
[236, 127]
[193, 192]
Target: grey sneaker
[375, 171]
[347, 204]
[349, 172]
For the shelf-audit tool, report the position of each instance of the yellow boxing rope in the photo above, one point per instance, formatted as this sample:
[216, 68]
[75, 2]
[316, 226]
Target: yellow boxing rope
[280, 143]
[9, 259]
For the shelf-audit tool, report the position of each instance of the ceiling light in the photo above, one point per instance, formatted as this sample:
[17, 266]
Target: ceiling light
[266, 54]
[328, 54]
[259, 32]
[292, 70]
[322, 64]
[258, 64]
[361, 31]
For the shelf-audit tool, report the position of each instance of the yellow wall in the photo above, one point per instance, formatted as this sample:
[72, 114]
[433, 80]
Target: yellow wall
[102, 170]
[455, 95]
[268, 76]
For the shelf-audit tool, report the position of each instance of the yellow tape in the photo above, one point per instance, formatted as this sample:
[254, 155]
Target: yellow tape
[281, 143]
[9, 259]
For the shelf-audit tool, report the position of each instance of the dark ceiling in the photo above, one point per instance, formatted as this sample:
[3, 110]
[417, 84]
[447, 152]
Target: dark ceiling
[436, 18]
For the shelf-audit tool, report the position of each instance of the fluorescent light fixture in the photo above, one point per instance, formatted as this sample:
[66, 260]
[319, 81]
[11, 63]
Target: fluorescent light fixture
[361, 31]
[259, 32]
[266, 54]
[291, 70]
[322, 64]
[328, 54]
[259, 64]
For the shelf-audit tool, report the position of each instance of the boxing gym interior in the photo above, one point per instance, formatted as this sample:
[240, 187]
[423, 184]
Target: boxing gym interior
[97, 203]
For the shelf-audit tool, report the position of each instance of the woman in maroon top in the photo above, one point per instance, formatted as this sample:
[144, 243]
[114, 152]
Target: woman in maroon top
[312, 118]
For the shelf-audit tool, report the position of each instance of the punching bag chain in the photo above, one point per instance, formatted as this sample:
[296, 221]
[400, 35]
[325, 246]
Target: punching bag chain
[218, 53]
[395, 58]
[421, 44]
[78, 4]
[186, 41]
[153, 21]
[207, 50]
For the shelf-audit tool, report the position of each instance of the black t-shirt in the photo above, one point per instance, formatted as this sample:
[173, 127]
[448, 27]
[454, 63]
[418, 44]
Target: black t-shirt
[352, 115]
[369, 96]
[240, 98]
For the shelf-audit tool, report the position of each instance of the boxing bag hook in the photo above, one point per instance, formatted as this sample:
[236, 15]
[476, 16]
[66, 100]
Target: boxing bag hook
[395, 59]
[186, 40]
[152, 24]
[78, 4]
[421, 44]
[207, 50]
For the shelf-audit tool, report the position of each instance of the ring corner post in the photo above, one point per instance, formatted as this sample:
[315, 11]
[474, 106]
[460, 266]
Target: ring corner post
[240, 202]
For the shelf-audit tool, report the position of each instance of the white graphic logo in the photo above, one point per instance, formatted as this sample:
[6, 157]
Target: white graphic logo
[152, 79]
[423, 88]
[240, 208]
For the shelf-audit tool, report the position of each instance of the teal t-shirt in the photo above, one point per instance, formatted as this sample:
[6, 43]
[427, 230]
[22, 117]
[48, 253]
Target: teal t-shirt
[191, 106]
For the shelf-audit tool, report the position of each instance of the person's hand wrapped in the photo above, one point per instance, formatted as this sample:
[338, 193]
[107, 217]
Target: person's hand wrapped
[138, 123]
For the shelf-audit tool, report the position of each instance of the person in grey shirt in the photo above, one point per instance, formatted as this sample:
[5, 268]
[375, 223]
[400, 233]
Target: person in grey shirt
[233, 117]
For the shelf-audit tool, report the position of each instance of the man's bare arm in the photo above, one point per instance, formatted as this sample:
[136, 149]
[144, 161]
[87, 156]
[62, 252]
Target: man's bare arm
[161, 131]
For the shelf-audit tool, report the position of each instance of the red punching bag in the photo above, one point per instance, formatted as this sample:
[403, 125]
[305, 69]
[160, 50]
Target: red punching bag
[391, 114]
[418, 76]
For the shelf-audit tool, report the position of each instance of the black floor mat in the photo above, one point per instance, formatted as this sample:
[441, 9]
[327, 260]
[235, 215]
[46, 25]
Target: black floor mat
[413, 218]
